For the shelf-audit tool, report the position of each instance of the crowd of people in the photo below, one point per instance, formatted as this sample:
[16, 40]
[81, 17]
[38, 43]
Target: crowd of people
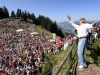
[22, 53]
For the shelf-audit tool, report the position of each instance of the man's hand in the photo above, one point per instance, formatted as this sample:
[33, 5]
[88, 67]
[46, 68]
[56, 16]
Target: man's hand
[95, 24]
[69, 17]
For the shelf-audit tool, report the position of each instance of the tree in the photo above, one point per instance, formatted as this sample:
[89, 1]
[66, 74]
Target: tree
[37, 21]
[1, 13]
[19, 13]
[43, 23]
[59, 33]
[13, 14]
[49, 27]
[28, 15]
[6, 12]
[24, 15]
[32, 17]
[48, 23]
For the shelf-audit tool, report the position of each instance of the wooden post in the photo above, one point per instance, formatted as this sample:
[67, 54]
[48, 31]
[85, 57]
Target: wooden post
[70, 58]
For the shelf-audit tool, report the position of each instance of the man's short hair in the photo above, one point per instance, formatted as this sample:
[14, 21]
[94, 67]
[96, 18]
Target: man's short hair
[83, 20]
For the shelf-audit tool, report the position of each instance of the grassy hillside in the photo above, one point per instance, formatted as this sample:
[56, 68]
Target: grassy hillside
[40, 30]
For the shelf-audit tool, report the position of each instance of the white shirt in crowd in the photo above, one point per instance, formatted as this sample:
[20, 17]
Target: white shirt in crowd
[82, 29]
[95, 35]
[65, 45]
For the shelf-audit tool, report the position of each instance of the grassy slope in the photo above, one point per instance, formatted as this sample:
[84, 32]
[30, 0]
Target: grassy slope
[43, 30]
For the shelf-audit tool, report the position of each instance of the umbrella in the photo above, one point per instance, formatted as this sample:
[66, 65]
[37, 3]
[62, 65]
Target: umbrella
[34, 33]
[19, 30]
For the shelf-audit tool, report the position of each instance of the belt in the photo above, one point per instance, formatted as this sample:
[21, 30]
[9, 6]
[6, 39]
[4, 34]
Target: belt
[82, 37]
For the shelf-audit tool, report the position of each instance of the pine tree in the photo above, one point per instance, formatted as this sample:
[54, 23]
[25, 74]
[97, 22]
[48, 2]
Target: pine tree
[6, 12]
[13, 14]
[19, 13]
[32, 17]
[24, 15]
[1, 13]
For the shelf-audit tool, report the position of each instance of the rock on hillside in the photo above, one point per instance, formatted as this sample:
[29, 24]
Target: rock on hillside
[91, 70]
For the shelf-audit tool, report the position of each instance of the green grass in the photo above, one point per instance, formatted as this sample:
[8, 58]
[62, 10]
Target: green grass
[60, 58]
[49, 59]
[40, 29]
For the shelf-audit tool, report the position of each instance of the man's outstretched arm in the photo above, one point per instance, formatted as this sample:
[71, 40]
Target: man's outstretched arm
[72, 23]
[69, 18]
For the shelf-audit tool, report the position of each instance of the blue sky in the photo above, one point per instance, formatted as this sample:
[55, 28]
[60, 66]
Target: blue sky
[57, 9]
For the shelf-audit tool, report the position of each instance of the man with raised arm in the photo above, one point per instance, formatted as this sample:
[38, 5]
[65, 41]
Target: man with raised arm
[82, 32]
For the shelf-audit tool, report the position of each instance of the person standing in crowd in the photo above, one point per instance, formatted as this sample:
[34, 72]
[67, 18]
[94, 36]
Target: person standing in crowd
[82, 32]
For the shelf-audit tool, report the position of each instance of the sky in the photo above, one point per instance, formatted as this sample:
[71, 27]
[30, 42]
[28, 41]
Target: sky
[57, 10]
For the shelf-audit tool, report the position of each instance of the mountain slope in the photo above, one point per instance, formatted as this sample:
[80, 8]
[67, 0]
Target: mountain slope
[66, 27]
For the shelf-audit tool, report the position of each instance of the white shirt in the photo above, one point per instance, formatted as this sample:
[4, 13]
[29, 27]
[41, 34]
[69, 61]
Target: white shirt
[95, 35]
[82, 29]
